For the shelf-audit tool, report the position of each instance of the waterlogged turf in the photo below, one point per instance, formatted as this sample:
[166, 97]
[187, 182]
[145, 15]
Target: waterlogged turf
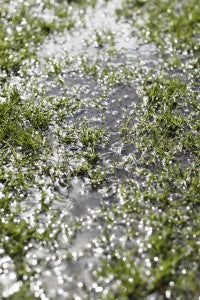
[99, 150]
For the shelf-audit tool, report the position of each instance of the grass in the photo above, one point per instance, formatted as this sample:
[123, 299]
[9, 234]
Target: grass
[21, 33]
[143, 167]
[165, 124]
[170, 251]
[22, 125]
[24, 30]
[167, 23]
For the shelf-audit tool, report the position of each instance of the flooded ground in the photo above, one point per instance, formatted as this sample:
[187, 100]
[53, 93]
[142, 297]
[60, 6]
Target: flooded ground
[99, 136]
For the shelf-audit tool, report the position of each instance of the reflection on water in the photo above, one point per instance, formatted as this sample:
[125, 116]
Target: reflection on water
[8, 279]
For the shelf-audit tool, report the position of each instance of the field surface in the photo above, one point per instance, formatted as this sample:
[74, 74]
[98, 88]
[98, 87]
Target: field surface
[99, 149]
